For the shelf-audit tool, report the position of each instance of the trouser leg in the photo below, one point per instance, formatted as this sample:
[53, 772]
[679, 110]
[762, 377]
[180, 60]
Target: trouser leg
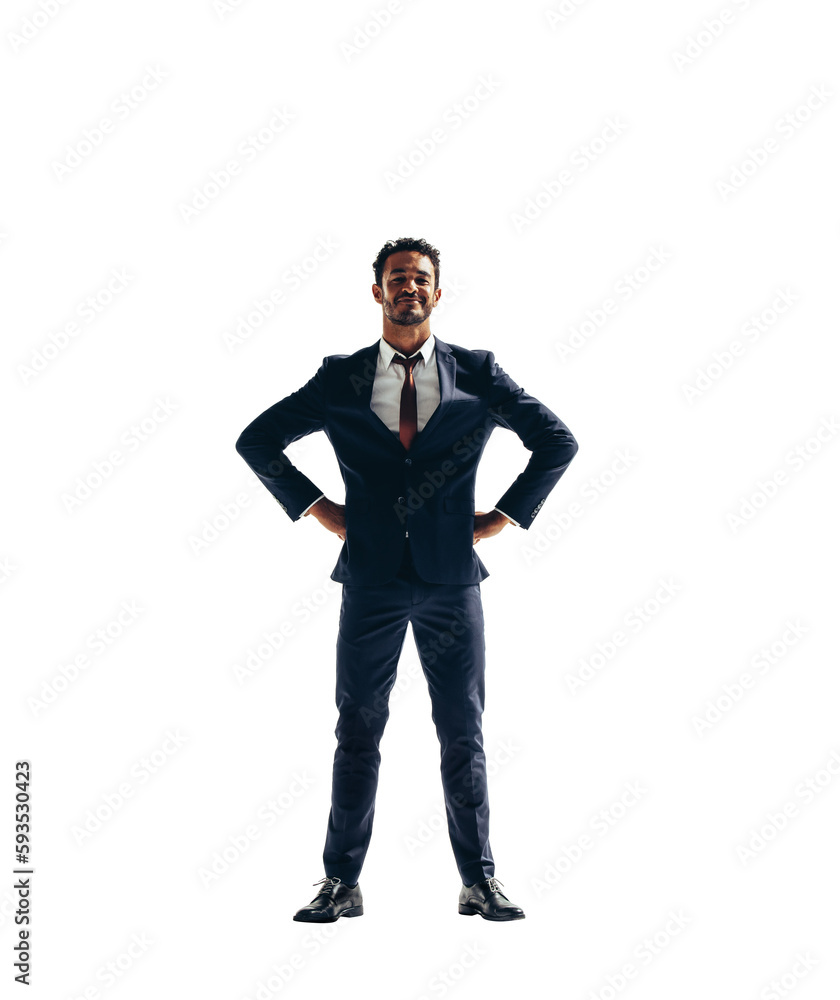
[372, 625]
[448, 627]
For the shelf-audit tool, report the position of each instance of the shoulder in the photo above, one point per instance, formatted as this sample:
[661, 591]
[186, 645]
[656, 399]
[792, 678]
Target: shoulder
[350, 362]
[465, 357]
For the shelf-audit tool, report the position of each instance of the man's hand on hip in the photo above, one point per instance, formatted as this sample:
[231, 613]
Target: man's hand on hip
[488, 524]
[330, 514]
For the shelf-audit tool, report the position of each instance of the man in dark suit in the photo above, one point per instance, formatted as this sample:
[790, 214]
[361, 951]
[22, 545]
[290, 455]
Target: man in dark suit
[408, 418]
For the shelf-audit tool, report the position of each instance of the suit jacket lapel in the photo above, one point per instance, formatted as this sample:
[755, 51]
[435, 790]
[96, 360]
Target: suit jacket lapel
[362, 381]
[446, 377]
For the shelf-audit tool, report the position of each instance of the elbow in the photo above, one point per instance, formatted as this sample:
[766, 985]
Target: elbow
[567, 450]
[566, 443]
[242, 443]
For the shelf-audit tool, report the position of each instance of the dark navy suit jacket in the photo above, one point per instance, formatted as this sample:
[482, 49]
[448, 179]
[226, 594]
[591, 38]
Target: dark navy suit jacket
[429, 490]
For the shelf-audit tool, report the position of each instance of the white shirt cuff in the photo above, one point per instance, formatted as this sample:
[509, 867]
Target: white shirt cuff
[321, 497]
[518, 525]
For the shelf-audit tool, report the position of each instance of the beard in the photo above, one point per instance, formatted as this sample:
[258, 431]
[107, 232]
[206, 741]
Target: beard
[401, 315]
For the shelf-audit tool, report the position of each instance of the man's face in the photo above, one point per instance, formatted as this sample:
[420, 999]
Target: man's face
[408, 292]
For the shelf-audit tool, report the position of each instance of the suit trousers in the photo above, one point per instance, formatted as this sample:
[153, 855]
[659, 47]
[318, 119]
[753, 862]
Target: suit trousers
[448, 627]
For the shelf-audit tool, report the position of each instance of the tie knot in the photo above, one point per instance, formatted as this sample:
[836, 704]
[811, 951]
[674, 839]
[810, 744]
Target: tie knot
[407, 363]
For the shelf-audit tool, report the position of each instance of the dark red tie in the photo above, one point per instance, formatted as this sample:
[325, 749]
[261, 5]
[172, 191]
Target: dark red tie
[408, 401]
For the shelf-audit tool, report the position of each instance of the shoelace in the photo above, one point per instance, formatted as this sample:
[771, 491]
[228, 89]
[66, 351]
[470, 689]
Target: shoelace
[329, 882]
[493, 884]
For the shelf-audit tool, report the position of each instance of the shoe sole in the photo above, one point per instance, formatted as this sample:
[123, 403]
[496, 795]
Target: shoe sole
[352, 911]
[469, 911]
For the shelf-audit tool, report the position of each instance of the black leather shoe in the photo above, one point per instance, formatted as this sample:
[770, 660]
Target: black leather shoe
[335, 899]
[487, 899]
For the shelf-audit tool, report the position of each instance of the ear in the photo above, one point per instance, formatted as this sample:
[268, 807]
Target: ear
[377, 292]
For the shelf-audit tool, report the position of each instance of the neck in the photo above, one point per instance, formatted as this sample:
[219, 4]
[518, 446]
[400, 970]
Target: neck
[406, 339]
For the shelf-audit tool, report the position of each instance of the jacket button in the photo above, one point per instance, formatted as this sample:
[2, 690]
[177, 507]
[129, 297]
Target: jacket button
[401, 500]
[408, 461]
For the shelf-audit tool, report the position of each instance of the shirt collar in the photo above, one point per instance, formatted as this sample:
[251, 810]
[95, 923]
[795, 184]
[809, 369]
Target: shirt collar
[387, 353]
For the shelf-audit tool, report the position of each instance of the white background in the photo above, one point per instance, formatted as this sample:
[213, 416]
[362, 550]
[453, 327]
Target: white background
[690, 102]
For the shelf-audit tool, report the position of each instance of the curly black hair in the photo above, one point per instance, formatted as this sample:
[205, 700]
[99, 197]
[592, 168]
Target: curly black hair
[406, 243]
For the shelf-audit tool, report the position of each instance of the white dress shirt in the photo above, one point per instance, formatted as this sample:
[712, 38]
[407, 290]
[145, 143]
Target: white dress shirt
[388, 381]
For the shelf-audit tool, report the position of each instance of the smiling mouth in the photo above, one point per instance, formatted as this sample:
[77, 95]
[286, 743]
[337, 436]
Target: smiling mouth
[415, 302]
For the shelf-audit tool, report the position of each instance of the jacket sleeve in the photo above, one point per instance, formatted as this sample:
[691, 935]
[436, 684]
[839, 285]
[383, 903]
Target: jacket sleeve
[551, 443]
[263, 441]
